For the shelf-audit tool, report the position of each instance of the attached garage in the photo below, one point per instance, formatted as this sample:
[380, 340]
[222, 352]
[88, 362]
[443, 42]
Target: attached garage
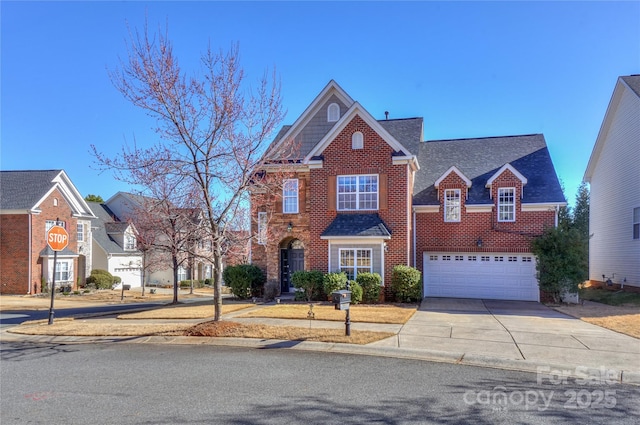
[481, 275]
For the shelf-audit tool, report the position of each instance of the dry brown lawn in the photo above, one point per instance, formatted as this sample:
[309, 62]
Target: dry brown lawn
[70, 327]
[391, 314]
[87, 328]
[184, 311]
[289, 333]
[623, 319]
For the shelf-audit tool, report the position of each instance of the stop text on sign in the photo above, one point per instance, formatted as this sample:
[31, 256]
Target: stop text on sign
[57, 238]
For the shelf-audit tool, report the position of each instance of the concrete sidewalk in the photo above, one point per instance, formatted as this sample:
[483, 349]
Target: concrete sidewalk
[514, 335]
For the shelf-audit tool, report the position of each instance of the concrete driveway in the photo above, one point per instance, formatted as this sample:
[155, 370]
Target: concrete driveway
[514, 330]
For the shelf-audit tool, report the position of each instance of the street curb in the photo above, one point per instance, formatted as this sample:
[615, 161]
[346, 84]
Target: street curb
[570, 371]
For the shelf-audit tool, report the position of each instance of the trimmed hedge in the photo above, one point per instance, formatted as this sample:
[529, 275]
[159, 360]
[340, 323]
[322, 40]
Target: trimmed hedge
[371, 284]
[101, 279]
[406, 284]
[245, 280]
[311, 285]
[332, 282]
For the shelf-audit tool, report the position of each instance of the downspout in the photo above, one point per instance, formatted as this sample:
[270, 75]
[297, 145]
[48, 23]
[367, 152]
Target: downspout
[30, 268]
[414, 238]
[557, 208]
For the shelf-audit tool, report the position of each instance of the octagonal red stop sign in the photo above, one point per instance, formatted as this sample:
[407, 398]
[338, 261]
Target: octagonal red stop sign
[57, 238]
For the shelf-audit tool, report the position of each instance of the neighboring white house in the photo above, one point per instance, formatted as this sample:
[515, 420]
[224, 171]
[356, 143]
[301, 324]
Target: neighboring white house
[124, 205]
[613, 173]
[114, 246]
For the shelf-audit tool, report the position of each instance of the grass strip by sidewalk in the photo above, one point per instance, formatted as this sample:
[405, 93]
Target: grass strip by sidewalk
[388, 314]
[182, 311]
[610, 297]
[96, 328]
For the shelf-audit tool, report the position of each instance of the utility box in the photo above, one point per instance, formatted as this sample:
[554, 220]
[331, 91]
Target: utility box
[341, 299]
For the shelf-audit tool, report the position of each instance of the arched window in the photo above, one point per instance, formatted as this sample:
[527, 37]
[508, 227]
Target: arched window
[357, 140]
[55, 202]
[333, 112]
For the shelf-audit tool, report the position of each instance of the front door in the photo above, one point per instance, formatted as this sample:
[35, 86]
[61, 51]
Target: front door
[291, 260]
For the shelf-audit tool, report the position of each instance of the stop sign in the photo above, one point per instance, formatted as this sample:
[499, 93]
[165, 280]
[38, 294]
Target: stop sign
[57, 238]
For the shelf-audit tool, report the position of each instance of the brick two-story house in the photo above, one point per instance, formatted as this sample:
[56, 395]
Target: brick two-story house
[30, 203]
[366, 195]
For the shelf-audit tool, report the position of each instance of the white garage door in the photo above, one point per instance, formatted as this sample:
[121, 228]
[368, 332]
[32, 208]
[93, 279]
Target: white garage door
[485, 275]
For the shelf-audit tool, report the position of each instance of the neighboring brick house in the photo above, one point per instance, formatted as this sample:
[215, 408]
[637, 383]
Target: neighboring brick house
[30, 202]
[366, 195]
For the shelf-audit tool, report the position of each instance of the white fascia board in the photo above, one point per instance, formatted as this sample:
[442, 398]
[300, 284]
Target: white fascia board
[331, 88]
[361, 240]
[426, 208]
[478, 208]
[612, 108]
[17, 212]
[412, 160]
[502, 169]
[543, 206]
[315, 164]
[296, 168]
[453, 169]
[356, 109]
[73, 197]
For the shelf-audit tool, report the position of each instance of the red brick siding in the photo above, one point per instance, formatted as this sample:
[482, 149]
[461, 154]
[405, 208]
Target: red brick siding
[14, 263]
[339, 159]
[434, 234]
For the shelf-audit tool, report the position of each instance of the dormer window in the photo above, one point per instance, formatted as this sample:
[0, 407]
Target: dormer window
[357, 140]
[129, 242]
[452, 205]
[507, 204]
[333, 112]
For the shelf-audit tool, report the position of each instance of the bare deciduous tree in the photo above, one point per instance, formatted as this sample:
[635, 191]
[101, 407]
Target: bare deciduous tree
[213, 130]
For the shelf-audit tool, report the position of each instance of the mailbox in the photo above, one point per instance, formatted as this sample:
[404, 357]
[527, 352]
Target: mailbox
[341, 299]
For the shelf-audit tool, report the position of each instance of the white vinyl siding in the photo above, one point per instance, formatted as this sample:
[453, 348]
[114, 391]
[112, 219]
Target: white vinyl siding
[290, 196]
[452, 205]
[612, 248]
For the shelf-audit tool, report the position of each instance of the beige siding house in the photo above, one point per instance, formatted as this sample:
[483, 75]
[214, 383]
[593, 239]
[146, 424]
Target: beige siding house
[613, 173]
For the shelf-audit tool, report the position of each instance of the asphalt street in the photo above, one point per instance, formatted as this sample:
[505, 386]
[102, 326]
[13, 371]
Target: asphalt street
[121, 383]
[15, 317]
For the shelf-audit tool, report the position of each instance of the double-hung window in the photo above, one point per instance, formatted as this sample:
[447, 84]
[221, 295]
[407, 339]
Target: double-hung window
[354, 261]
[262, 228]
[636, 223]
[506, 204]
[80, 231]
[63, 271]
[357, 192]
[452, 205]
[129, 242]
[290, 196]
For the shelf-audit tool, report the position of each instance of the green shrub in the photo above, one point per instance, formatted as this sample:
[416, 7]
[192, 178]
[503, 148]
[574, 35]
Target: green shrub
[117, 279]
[406, 284]
[371, 284]
[310, 282]
[245, 280]
[356, 292]
[332, 282]
[101, 279]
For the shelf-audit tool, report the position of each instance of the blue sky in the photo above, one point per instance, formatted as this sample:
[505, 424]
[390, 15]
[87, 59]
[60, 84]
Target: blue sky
[471, 69]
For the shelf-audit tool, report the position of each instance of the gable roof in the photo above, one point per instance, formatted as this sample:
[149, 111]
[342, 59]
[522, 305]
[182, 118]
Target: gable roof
[308, 131]
[630, 83]
[453, 169]
[479, 159]
[103, 225]
[24, 190]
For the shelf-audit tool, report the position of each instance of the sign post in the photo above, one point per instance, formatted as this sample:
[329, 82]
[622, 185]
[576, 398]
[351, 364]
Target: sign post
[57, 239]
